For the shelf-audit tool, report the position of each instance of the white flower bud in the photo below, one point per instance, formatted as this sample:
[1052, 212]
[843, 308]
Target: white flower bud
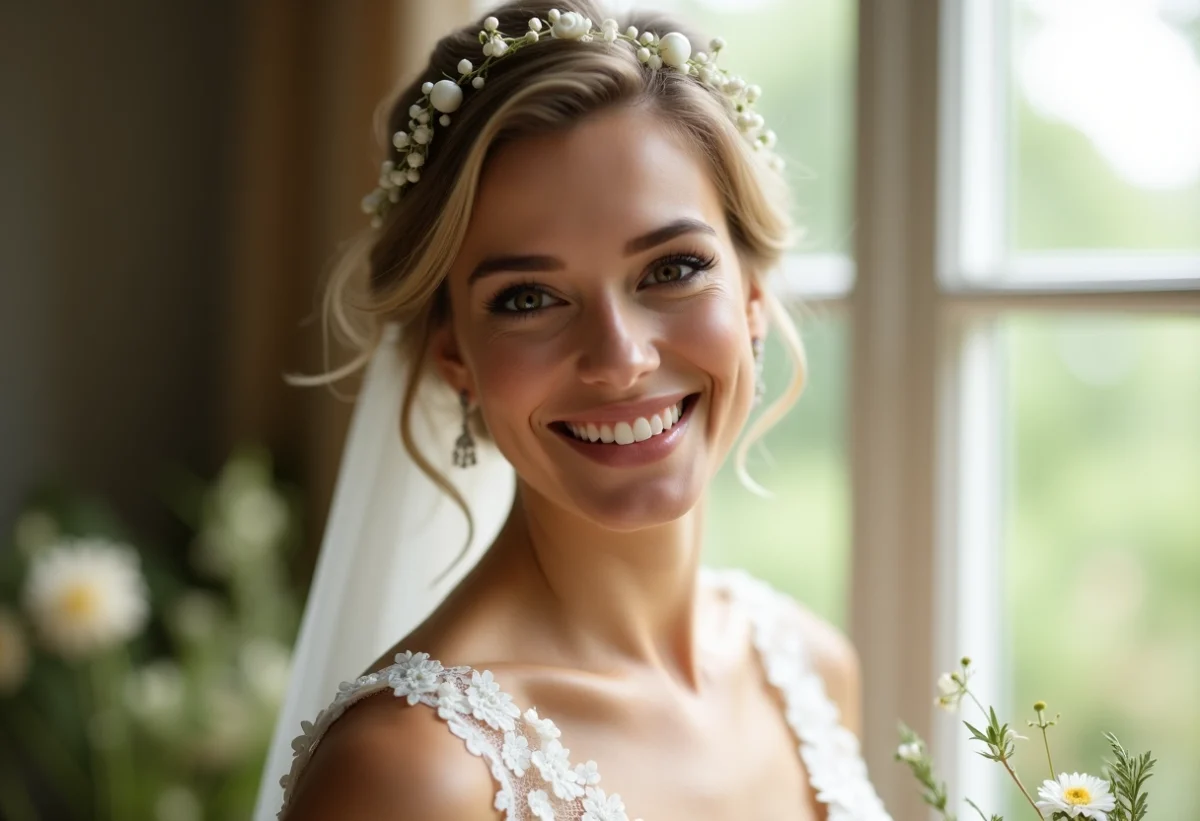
[535, 24]
[776, 163]
[655, 62]
[394, 195]
[421, 135]
[444, 119]
[446, 97]
[701, 57]
[675, 49]
[491, 24]
[487, 49]
[531, 36]
[400, 139]
[610, 35]
[753, 93]
[397, 177]
[415, 110]
[646, 39]
[416, 159]
[768, 138]
[388, 165]
[413, 175]
[552, 15]
[631, 32]
[716, 44]
[464, 67]
[643, 54]
[423, 117]
[609, 23]
[477, 82]
[499, 47]
[426, 87]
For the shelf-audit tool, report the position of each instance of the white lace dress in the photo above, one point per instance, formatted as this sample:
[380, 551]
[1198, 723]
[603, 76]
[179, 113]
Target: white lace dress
[534, 776]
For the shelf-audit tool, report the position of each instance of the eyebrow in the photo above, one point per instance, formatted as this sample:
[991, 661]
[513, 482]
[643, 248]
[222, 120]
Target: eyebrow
[651, 239]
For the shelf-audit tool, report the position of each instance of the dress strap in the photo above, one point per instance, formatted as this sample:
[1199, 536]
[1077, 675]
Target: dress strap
[830, 752]
[531, 767]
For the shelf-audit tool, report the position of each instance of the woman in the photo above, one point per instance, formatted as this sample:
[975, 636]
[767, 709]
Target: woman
[573, 230]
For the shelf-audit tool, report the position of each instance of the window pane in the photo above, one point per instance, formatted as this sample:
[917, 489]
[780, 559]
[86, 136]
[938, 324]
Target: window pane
[1102, 543]
[1106, 108]
[800, 540]
[802, 55]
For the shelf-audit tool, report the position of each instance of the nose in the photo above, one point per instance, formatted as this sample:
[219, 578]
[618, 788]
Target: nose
[616, 345]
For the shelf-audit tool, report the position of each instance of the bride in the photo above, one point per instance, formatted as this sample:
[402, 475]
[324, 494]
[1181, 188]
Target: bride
[570, 242]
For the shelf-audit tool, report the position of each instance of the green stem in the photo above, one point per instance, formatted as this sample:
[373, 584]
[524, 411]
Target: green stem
[1021, 787]
[87, 704]
[1050, 761]
[110, 673]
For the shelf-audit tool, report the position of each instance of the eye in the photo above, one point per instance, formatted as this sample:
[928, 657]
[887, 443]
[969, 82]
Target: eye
[521, 299]
[678, 269]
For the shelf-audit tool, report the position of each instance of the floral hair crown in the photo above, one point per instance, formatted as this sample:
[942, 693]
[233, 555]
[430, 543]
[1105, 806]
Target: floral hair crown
[441, 99]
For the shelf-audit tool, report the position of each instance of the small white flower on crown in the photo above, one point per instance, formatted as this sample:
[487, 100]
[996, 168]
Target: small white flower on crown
[672, 50]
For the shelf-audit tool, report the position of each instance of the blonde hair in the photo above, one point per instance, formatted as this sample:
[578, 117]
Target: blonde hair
[397, 273]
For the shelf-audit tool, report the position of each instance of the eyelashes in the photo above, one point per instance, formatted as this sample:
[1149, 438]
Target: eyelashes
[529, 298]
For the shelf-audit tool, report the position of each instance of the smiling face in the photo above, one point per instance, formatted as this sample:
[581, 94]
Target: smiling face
[601, 320]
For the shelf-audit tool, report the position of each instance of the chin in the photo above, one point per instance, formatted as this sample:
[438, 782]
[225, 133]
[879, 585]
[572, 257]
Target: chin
[635, 505]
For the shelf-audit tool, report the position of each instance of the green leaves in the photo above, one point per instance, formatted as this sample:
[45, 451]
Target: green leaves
[922, 769]
[998, 738]
[1128, 776]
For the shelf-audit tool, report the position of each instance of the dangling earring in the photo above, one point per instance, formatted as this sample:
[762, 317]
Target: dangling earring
[464, 446]
[760, 385]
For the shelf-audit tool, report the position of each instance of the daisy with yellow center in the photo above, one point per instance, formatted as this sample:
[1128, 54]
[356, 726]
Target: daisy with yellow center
[1077, 794]
[86, 595]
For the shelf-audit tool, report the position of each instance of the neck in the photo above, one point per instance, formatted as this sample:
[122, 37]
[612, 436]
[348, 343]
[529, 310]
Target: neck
[609, 600]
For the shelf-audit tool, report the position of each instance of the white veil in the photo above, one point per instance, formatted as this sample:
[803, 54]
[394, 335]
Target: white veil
[390, 533]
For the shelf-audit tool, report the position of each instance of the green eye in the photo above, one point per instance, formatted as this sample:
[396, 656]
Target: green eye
[671, 272]
[526, 299]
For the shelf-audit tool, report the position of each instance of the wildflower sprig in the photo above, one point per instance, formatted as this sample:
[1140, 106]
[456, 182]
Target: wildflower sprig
[1128, 775]
[1120, 797]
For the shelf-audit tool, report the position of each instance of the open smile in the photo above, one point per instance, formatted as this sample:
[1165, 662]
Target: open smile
[637, 440]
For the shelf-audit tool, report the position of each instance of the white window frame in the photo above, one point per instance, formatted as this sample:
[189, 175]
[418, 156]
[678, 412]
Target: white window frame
[933, 281]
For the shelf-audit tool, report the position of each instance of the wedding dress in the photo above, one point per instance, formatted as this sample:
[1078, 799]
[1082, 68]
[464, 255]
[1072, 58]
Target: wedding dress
[371, 586]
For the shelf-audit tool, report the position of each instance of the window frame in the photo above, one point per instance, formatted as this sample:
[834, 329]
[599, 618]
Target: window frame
[933, 282]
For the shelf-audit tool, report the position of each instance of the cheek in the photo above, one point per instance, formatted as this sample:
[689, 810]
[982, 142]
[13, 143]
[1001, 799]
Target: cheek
[711, 336]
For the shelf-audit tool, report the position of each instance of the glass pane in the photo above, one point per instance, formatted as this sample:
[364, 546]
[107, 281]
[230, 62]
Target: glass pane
[802, 55]
[800, 540]
[1102, 540]
[1106, 107]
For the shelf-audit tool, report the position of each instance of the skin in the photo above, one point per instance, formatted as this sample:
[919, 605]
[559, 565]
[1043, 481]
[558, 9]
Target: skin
[588, 605]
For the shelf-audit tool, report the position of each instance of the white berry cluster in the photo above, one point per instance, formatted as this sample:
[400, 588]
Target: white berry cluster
[441, 99]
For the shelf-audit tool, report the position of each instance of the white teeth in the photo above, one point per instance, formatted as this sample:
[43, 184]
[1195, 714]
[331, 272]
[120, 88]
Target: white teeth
[626, 433]
[623, 433]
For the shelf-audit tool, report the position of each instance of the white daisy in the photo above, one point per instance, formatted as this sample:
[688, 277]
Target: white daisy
[14, 653]
[86, 595]
[599, 807]
[1077, 794]
[553, 763]
[515, 753]
[489, 704]
[413, 675]
[539, 804]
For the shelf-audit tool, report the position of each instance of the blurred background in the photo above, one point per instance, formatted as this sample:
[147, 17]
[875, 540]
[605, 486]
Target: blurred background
[178, 176]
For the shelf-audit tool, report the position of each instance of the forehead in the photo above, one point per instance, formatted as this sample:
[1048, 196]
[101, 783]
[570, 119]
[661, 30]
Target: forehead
[613, 176]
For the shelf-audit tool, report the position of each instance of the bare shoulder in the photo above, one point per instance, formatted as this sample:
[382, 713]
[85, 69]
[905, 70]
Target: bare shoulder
[384, 760]
[834, 658]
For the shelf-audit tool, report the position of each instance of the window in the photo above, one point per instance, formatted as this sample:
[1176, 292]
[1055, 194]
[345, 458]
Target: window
[1069, 257]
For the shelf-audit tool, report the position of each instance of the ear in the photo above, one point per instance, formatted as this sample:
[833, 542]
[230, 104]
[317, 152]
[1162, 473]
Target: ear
[756, 307]
[447, 359]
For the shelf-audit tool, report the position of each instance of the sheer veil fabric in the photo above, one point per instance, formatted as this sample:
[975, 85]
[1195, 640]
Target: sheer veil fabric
[390, 533]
